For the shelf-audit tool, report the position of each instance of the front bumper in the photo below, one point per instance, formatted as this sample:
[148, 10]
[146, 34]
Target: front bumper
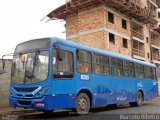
[39, 104]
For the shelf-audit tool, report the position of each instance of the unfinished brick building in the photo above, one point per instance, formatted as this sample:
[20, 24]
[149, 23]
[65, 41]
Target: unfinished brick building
[128, 27]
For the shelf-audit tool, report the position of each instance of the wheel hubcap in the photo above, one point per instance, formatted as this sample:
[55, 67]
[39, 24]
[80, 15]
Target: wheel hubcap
[139, 98]
[82, 103]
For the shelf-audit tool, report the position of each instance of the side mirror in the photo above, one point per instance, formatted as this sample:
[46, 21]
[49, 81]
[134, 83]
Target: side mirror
[3, 62]
[3, 65]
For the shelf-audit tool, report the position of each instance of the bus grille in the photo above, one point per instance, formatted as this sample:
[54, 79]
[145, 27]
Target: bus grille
[29, 89]
[24, 102]
[26, 96]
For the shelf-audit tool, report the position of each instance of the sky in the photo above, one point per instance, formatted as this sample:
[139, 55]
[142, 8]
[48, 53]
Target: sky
[20, 20]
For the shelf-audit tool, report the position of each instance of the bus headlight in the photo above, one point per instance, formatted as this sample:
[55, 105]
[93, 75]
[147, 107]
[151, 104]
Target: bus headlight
[41, 93]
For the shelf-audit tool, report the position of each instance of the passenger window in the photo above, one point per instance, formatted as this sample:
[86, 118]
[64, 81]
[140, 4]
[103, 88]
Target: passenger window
[62, 64]
[128, 69]
[113, 66]
[83, 62]
[154, 73]
[139, 70]
[100, 64]
[117, 67]
[120, 68]
[150, 73]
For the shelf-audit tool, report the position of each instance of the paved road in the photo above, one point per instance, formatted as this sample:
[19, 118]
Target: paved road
[150, 110]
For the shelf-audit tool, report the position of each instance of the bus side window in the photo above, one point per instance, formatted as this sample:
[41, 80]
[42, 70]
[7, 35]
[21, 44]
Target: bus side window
[150, 73]
[120, 71]
[128, 69]
[153, 74]
[139, 70]
[83, 62]
[113, 66]
[100, 64]
[62, 68]
[117, 67]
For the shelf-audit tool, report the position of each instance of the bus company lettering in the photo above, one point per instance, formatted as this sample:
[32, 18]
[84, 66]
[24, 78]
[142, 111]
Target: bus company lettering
[84, 77]
[121, 98]
[140, 84]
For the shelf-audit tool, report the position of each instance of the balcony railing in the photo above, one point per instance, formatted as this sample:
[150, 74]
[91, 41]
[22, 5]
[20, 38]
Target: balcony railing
[155, 57]
[137, 34]
[138, 52]
[155, 42]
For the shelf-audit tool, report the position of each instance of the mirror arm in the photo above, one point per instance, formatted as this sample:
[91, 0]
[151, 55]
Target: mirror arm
[3, 61]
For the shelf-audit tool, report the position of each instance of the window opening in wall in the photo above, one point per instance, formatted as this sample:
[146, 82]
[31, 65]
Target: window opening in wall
[147, 39]
[125, 43]
[148, 55]
[110, 17]
[111, 38]
[124, 24]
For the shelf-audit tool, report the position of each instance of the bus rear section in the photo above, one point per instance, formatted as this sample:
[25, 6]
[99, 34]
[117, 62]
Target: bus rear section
[111, 79]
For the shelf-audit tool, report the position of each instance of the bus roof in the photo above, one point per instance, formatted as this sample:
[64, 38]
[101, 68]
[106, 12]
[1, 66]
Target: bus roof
[98, 51]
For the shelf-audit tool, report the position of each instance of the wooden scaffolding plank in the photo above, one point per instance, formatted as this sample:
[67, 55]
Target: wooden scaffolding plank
[131, 8]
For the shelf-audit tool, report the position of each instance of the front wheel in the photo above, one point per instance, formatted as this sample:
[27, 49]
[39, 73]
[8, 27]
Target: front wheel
[82, 104]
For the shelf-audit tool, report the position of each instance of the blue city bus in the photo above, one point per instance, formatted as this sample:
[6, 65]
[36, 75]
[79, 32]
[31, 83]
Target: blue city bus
[51, 73]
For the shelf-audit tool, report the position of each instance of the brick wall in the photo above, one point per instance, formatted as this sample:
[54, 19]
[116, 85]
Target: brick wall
[91, 27]
[117, 26]
[85, 20]
[95, 39]
[147, 44]
[72, 26]
[89, 20]
[4, 83]
[118, 46]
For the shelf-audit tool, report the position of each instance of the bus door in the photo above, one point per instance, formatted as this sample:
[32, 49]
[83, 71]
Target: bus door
[63, 84]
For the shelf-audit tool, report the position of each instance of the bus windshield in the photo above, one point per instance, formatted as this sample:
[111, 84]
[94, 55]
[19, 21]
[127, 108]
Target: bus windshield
[30, 67]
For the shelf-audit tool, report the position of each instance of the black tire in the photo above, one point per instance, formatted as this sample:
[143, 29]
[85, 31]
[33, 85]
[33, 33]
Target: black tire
[139, 101]
[82, 104]
[112, 106]
[47, 112]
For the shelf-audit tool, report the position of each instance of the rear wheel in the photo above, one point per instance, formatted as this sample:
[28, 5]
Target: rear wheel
[82, 104]
[47, 112]
[139, 101]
